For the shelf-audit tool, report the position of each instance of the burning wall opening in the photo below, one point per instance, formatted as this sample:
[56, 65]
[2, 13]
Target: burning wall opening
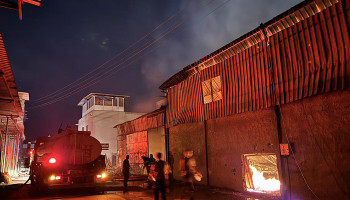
[260, 173]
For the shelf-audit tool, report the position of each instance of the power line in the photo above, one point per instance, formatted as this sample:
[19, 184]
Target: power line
[132, 55]
[108, 75]
[57, 92]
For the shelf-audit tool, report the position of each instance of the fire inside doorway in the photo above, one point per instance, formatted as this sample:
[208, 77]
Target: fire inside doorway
[261, 173]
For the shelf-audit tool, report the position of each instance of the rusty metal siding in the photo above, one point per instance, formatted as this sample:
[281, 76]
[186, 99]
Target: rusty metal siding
[245, 87]
[245, 77]
[293, 60]
[311, 57]
[151, 120]
[287, 19]
[185, 102]
[136, 147]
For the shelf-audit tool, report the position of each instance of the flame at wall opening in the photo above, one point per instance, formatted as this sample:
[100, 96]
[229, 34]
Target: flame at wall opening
[261, 184]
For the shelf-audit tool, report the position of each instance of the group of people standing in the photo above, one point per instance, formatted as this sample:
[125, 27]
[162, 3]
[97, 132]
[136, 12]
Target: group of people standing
[159, 170]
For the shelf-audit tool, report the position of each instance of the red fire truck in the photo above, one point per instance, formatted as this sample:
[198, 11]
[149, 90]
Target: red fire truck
[68, 159]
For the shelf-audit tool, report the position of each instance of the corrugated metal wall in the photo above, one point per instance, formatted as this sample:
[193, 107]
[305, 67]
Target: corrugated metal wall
[151, 120]
[136, 147]
[185, 102]
[133, 138]
[302, 59]
[312, 57]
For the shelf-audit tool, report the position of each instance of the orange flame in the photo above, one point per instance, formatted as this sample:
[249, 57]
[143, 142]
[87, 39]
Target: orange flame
[261, 184]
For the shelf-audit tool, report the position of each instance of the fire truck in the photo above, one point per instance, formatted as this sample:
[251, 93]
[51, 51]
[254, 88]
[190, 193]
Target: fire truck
[68, 159]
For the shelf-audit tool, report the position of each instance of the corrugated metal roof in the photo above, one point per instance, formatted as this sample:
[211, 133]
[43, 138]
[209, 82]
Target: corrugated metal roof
[147, 121]
[10, 105]
[292, 16]
[8, 88]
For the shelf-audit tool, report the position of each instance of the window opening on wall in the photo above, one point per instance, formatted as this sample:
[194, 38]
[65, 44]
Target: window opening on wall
[87, 127]
[108, 101]
[115, 101]
[212, 90]
[85, 107]
[121, 102]
[99, 100]
[92, 100]
[89, 103]
[261, 173]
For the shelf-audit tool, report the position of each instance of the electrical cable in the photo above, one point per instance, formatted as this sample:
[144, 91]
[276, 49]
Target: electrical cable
[108, 75]
[324, 157]
[133, 44]
[110, 70]
[296, 162]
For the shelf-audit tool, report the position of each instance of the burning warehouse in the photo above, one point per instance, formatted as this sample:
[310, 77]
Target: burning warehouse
[269, 112]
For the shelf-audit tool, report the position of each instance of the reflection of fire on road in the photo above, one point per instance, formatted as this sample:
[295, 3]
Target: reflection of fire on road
[261, 184]
[261, 174]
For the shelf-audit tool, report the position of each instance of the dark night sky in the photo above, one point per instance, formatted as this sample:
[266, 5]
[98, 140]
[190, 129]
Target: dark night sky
[61, 41]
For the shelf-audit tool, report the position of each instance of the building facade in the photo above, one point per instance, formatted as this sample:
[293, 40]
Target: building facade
[271, 108]
[100, 113]
[270, 111]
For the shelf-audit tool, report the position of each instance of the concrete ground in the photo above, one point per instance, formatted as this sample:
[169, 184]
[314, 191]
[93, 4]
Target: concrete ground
[137, 190]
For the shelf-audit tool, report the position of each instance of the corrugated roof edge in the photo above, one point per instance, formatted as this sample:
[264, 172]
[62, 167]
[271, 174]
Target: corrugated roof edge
[150, 114]
[273, 26]
[8, 74]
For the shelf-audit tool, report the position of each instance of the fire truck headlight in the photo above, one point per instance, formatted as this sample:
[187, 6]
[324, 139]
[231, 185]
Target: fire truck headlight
[52, 177]
[99, 176]
[104, 175]
[52, 160]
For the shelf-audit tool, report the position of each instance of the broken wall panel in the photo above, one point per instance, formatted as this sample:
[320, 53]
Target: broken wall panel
[185, 102]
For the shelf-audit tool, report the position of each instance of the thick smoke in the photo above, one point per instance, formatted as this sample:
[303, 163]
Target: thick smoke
[205, 35]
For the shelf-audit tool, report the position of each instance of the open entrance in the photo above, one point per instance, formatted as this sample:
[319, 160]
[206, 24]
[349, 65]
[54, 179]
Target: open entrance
[261, 173]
